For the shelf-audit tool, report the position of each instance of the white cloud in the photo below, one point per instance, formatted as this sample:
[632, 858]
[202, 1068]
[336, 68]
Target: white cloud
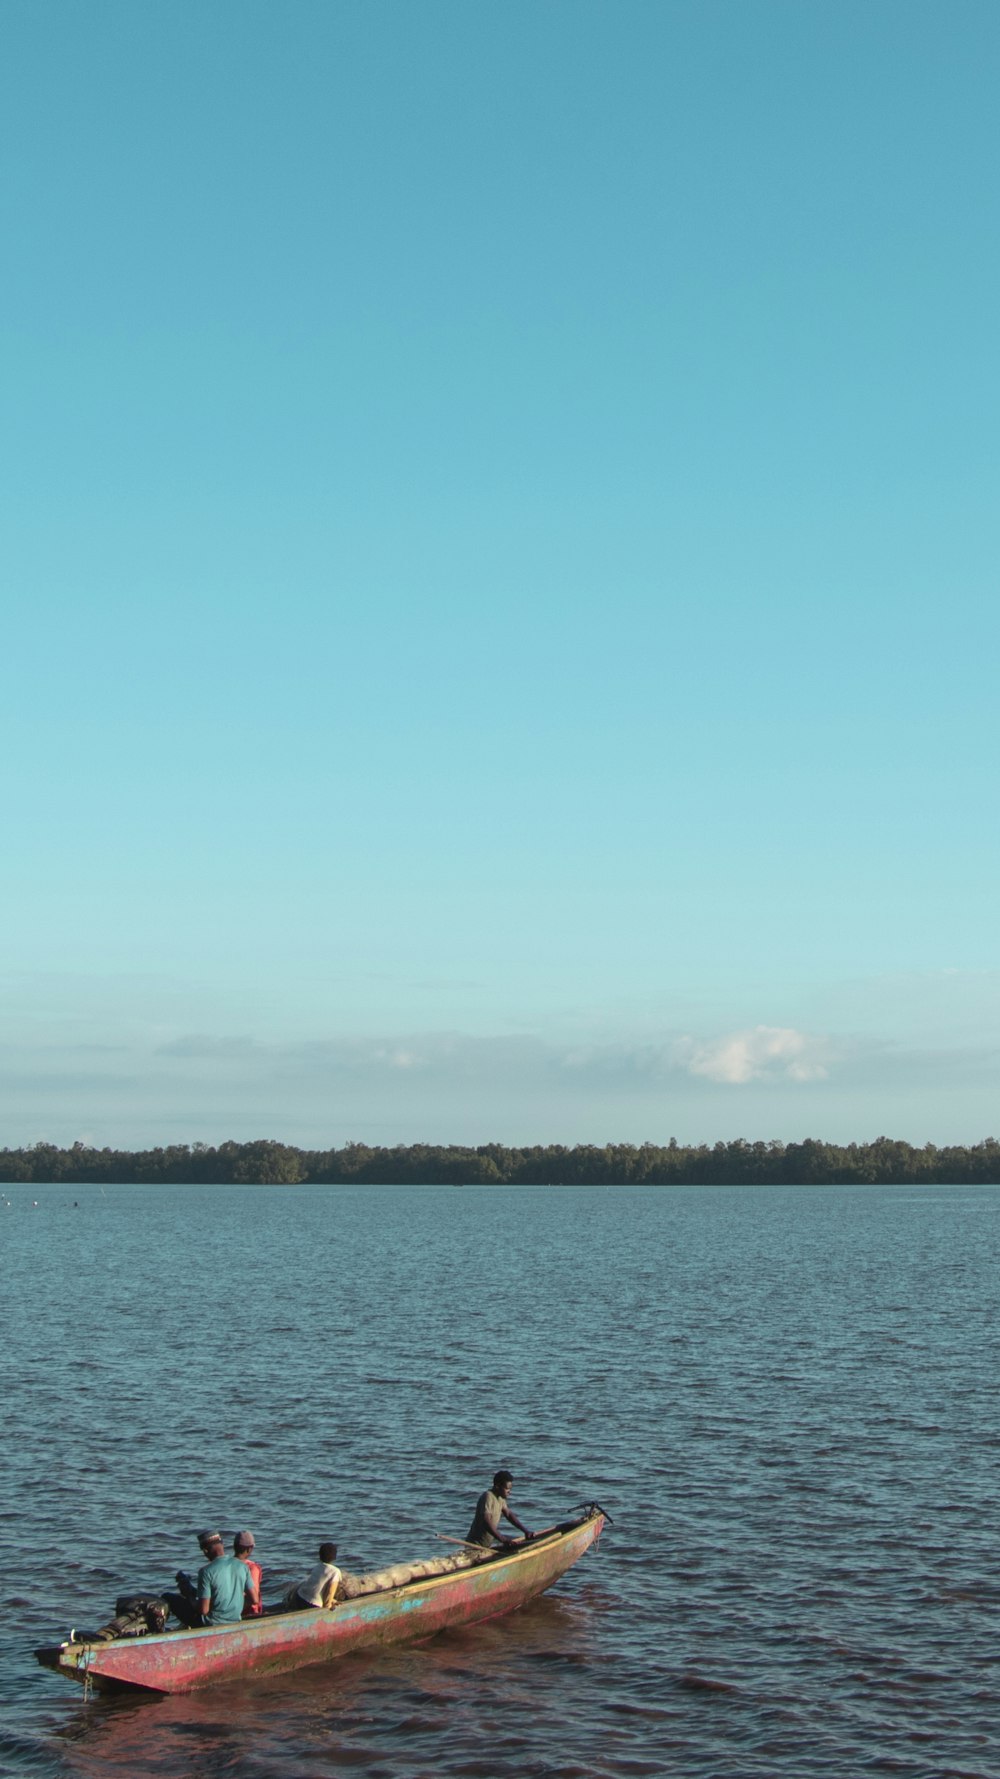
[456, 1087]
[404, 1059]
[765, 1052]
[762, 1054]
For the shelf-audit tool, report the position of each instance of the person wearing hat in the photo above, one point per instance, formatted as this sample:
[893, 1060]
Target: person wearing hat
[243, 1547]
[224, 1584]
[490, 1509]
[184, 1604]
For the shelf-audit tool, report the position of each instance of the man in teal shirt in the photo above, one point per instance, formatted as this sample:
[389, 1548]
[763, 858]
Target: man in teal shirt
[223, 1584]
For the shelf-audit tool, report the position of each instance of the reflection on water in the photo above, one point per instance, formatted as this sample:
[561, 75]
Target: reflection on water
[786, 1398]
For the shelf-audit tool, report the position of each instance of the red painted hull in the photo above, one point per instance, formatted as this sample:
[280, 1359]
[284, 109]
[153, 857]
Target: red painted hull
[180, 1661]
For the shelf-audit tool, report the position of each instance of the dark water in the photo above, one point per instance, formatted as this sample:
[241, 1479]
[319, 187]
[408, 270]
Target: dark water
[788, 1399]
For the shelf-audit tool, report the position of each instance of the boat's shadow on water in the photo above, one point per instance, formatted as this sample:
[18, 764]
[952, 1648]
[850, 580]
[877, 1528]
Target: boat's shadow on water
[360, 1709]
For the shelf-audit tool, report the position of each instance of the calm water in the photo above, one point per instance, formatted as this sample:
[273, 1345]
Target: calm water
[788, 1399]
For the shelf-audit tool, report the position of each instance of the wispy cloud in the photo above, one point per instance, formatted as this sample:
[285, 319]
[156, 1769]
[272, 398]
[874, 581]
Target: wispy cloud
[761, 1053]
[764, 1052]
[454, 1086]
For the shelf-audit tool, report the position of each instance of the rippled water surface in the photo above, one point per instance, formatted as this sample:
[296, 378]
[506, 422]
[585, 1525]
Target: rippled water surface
[787, 1399]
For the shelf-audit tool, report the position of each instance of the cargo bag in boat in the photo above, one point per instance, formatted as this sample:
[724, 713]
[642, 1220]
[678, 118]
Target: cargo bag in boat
[136, 1615]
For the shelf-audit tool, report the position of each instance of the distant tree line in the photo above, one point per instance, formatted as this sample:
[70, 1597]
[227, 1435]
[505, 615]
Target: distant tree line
[886, 1161]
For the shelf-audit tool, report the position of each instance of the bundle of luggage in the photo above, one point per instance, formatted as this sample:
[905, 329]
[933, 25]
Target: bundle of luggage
[398, 1574]
[136, 1615]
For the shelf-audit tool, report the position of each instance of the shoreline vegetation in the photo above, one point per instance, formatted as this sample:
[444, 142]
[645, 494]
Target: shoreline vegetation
[885, 1162]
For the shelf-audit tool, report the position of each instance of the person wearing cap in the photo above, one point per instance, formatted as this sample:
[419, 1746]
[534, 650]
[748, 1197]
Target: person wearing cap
[490, 1509]
[243, 1547]
[224, 1584]
[184, 1604]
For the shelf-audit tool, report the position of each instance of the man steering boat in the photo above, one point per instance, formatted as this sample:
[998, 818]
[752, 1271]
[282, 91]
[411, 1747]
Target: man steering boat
[491, 1508]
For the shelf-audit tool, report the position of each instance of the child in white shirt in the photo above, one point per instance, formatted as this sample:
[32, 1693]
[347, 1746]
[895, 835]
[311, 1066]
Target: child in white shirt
[320, 1585]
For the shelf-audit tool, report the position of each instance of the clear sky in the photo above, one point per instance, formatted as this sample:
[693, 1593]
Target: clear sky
[499, 552]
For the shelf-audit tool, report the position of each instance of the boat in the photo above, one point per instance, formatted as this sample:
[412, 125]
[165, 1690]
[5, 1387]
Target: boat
[405, 1602]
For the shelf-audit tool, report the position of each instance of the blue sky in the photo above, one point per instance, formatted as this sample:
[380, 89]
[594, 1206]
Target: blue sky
[500, 523]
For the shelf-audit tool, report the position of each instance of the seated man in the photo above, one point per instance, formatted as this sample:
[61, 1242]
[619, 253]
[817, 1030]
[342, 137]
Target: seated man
[223, 1585]
[490, 1509]
[320, 1585]
[243, 1547]
[185, 1604]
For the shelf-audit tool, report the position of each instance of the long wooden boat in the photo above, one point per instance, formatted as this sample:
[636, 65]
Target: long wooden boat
[180, 1661]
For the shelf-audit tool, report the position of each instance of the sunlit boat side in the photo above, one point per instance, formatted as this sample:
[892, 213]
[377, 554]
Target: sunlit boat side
[181, 1661]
